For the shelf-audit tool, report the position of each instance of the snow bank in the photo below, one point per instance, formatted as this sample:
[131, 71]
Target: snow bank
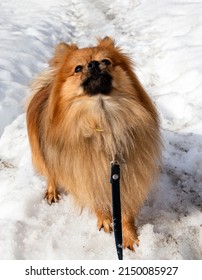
[29, 31]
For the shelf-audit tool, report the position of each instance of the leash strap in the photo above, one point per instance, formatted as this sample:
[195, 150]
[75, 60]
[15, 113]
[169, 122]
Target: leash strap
[116, 207]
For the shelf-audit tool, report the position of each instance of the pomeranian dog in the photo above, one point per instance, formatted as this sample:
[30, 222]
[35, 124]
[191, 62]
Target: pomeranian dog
[87, 109]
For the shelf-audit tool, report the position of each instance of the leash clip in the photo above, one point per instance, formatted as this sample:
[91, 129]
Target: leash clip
[115, 170]
[115, 161]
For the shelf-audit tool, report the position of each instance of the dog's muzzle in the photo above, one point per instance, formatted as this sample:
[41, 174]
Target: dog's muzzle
[97, 81]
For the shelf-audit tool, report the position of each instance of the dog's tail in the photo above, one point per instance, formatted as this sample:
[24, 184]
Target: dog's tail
[41, 81]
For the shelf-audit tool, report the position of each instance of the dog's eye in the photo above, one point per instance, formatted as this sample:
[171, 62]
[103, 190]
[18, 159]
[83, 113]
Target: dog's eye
[106, 61]
[78, 68]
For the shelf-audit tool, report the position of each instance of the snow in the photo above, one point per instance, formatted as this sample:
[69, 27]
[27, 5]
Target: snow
[164, 39]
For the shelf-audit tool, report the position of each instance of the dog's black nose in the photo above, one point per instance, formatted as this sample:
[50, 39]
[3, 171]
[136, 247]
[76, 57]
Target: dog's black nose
[93, 66]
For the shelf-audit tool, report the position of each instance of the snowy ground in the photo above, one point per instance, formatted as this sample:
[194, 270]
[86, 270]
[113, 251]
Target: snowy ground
[164, 39]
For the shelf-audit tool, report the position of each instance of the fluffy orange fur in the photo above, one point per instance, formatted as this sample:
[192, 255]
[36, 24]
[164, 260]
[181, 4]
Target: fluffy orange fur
[75, 136]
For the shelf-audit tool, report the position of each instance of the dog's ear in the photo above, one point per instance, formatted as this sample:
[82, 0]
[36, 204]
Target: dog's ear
[62, 50]
[106, 42]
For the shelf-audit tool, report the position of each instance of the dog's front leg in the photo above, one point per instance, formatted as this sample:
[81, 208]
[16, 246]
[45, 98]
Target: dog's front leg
[130, 236]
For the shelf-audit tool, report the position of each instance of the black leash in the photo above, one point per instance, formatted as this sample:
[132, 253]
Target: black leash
[116, 207]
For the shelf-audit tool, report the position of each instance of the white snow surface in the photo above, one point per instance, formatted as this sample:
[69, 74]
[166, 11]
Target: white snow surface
[164, 38]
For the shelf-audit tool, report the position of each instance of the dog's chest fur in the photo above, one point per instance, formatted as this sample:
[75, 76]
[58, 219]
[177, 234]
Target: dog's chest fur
[103, 125]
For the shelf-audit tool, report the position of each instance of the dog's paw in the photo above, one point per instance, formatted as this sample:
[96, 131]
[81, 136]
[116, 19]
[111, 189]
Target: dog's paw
[105, 224]
[130, 237]
[52, 197]
[104, 221]
[129, 241]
